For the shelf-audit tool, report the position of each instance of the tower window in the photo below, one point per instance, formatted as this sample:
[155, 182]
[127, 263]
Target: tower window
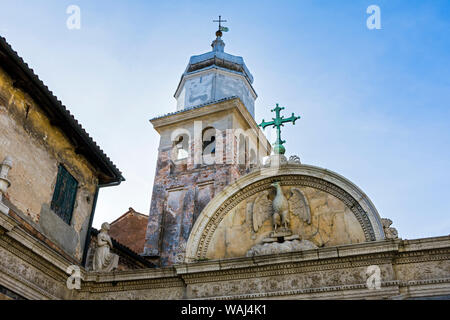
[209, 145]
[64, 195]
[181, 147]
[252, 158]
[241, 151]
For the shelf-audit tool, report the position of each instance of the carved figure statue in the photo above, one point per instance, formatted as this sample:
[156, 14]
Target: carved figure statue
[104, 260]
[389, 232]
[5, 166]
[279, 208]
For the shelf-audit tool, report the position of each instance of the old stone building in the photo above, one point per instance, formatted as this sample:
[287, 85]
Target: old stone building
[55, 168]
[230, 217]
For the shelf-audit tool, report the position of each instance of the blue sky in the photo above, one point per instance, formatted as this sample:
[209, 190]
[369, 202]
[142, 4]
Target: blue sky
[374, 103]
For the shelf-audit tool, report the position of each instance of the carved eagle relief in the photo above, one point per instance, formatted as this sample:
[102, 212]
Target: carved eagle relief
[262, 210]
[299, 206]
[263, 207]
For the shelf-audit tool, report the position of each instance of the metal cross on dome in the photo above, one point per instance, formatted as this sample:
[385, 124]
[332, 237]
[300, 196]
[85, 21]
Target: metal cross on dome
[221, 28]
[278, 122]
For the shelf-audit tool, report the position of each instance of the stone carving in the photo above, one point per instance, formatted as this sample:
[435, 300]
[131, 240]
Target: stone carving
[389, 232]
[280, 205]
[181, 255]
[275, 247]
[299, 206]
[294, 160]
[104, 260]
[281, 238]
[4, 182]
[200, 238]
[275, 160]
[278, 209]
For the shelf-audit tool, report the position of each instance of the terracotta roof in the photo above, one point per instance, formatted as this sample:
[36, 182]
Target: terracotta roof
[130, 210]
[25, 78]
[130, 229]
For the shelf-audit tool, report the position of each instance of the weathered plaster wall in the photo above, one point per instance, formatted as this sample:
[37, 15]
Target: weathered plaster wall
[37, 148]
[213, 85]
[182, 188]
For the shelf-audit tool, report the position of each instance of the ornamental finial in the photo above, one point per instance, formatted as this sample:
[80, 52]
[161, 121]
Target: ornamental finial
[218, 44]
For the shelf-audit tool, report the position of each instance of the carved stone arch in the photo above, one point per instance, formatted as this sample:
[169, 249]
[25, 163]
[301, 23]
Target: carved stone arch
[298, 175]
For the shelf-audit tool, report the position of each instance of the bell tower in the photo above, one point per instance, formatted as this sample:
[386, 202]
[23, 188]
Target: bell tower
[211, 140]
[215, 75]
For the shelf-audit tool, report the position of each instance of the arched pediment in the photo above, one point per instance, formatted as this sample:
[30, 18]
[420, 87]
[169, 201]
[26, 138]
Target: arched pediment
[340, 213]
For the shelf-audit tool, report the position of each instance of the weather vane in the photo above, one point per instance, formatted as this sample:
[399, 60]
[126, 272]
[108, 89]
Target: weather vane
[277, 122]
[221, 28]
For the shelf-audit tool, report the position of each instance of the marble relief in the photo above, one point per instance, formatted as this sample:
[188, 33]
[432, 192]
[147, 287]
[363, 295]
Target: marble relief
[331, 223]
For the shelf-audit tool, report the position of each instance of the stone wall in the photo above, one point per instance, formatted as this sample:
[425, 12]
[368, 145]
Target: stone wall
[339, 272]
[408, 269]
[183, 187]
[37, 147]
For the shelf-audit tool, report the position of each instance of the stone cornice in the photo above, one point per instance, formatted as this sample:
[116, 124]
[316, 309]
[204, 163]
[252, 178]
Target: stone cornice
[24, 240]
[385, 254]
[333, 258]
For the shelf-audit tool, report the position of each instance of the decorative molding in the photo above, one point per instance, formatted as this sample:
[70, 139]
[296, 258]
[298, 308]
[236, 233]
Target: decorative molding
[97, 287]
[287, 268]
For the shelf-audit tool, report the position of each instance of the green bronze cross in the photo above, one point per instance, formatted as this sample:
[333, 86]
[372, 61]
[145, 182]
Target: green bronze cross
[277, 122]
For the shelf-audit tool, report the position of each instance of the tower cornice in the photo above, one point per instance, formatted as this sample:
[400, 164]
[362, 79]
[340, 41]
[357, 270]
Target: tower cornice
[233, 104]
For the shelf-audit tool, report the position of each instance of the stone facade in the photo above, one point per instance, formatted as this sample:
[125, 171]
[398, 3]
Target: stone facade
[409, 269]
[37, 149]
[39, 136]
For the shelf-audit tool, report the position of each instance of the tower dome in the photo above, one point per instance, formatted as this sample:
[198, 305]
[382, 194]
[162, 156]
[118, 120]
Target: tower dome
[213, 76]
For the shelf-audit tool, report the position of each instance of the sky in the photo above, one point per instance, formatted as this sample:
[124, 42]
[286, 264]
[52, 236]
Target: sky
[374, 103]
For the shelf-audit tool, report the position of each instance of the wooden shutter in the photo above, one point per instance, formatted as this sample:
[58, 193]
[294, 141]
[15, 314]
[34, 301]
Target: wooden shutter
[64, 196]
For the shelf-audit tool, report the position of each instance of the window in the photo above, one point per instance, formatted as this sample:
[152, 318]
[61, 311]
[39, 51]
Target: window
[252, 158]
[209, 145]
[242, 159]
[181, 147]
[64, 196]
